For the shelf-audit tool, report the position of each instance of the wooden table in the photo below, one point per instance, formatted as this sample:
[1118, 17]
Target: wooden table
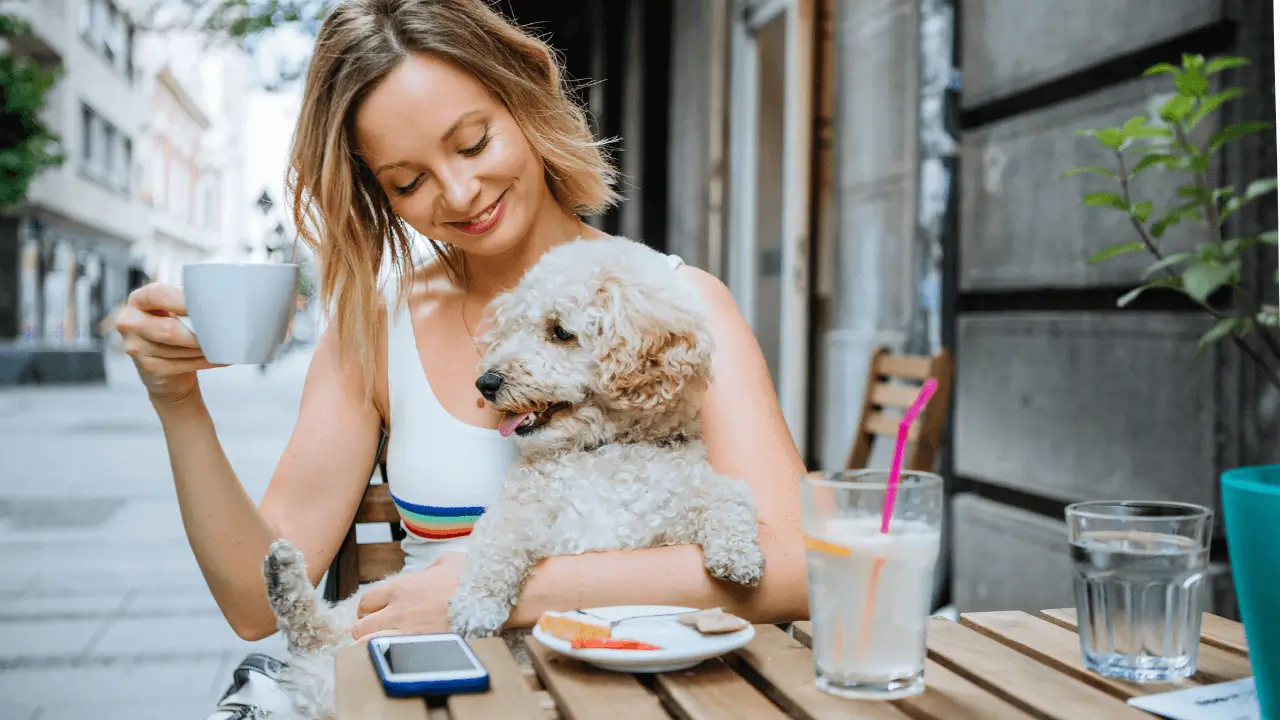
[989, 666]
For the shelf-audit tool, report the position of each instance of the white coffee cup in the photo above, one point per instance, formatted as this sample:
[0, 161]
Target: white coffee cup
[240, 312]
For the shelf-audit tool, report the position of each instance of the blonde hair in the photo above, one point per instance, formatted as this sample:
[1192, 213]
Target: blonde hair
[339, 208]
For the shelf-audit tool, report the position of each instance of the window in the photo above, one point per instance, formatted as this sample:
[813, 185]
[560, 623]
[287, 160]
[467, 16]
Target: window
[209, 206]
[86, 18]
[106, 154]
[106, 29]
[86, 136]
[160, 176]
[125, 168]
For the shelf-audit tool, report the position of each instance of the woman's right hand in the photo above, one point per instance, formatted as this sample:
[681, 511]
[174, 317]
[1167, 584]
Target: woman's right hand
[165, 352]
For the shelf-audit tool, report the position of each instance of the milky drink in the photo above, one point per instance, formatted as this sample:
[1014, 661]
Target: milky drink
[869, 636]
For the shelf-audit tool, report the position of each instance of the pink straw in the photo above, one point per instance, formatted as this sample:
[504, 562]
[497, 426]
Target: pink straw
[895, 470]
[891, 494]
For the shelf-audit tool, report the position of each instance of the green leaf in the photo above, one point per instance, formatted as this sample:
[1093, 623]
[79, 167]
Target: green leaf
[1105, 199]
[1194, 192]
[1267, 238]
[1232, 133]
[1192, 62]
[1150, 161]
[1177, 109]
[1192, 84]
[1220, 329]
[1095, 169]
[1111, 138]
[1208, 252]
[1166, 262]
[1141, 211]
[1115, 250]
[1202, 279]
[1175, 216]
[1217, 65]
[1157, 283]
[1256, 189]
[1211, 103]
[1161, 68]
[1269, 316]
[1137, 127]
[1233, 247]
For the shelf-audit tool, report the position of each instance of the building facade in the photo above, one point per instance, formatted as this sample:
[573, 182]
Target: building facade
[192, 174]
[65, 255]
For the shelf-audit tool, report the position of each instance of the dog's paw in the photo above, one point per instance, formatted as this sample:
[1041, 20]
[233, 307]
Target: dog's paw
[476, 617]
[284, 569]
[741, 563]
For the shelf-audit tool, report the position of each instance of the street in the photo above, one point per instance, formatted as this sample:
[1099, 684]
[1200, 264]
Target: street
[103, 611]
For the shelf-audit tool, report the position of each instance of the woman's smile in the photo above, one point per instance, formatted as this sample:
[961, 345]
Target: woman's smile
[486, 220]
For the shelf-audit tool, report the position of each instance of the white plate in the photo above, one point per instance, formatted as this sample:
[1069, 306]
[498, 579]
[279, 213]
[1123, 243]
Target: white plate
[682, 646]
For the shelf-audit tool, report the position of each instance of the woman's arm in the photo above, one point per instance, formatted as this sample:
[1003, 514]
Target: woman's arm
[746, 438]
[310, 500]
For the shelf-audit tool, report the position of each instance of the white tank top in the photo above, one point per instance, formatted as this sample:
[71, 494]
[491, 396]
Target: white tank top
[442, 471]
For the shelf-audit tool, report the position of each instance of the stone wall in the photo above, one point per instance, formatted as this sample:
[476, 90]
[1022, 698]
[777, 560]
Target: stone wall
[1061, 397]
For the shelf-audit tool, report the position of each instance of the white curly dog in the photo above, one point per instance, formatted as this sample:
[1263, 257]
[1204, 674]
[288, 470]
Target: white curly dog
[599, 357]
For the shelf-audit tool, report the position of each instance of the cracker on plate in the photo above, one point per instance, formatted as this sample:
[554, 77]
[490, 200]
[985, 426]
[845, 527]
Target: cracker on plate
[714, 621]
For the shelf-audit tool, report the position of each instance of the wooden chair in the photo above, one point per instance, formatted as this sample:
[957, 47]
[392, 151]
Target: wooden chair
[892, 385]
[358, 563]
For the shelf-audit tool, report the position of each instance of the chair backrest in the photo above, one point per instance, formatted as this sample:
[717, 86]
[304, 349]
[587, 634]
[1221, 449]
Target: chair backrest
[893, 382]
[357, 562]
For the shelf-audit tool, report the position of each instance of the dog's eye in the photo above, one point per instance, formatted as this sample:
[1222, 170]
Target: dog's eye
[559, 333]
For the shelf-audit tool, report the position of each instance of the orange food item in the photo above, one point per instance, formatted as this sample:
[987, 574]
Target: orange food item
[596, 643]
[573, 626]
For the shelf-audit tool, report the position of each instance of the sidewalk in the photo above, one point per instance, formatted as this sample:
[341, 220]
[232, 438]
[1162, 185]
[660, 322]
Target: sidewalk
[103, 611]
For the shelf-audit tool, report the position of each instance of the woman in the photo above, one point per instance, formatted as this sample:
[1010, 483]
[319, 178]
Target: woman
[442, 116]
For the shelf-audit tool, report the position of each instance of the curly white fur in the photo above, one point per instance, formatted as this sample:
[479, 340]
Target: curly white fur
[610, 347]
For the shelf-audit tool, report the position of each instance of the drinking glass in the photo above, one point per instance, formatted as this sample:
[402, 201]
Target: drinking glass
[870, 593]
[1139, 572]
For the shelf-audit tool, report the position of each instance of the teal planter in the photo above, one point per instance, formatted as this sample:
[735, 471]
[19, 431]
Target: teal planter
[1251, 511]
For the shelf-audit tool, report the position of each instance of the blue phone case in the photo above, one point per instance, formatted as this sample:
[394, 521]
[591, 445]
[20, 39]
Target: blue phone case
[443, 686]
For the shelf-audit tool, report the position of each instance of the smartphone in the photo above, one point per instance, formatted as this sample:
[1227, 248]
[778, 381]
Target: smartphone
[436, 664]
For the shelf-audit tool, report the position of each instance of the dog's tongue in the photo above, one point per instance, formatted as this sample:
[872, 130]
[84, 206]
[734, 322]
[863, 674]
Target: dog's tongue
[510, 424]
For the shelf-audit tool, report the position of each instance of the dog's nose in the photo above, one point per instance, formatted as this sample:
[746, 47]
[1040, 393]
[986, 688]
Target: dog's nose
[488, 384]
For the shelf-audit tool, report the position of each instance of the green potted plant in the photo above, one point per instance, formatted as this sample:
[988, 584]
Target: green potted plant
[1251, 496]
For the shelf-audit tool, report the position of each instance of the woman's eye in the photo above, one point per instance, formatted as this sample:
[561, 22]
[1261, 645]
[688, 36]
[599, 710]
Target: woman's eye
[478, 147]
[406, 189]
[559, 333]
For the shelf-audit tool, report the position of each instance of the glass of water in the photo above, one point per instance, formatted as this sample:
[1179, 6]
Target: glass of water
[1139, 578]
[870, 592]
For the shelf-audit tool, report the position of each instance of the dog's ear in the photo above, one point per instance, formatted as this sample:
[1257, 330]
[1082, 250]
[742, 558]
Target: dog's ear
[654, 344]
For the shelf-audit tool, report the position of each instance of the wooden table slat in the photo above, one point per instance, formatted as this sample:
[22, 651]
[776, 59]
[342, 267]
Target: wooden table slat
[1058, 648]
[783, 669]
[947, 696]
[509, 692]
[1223, 633]
[1213, 664]
[358, 692]
[712, 690]
[1037, 688]
[582, 692]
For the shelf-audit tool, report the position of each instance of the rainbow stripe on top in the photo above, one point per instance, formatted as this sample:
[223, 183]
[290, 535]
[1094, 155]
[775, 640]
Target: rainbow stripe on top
[432, 522]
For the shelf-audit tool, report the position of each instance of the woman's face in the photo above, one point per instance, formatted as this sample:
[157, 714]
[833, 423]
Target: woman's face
[450, 157]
